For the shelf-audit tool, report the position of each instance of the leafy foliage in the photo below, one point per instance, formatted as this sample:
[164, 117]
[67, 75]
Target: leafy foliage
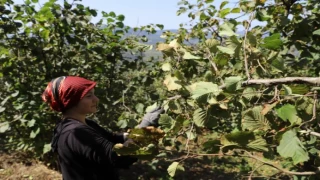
[202, 80]
[41, 43]
[220, 59]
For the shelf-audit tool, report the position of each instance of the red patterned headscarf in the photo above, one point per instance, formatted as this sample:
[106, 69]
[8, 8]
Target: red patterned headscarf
[66, 91]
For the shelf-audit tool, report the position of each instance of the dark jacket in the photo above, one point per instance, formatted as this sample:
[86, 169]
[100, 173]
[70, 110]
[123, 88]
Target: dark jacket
[85, 151]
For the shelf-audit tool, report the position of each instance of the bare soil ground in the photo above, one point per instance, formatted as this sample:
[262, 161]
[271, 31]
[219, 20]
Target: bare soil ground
[19, 166]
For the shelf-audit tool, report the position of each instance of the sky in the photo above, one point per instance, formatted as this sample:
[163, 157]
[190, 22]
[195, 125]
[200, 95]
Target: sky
[142, 12]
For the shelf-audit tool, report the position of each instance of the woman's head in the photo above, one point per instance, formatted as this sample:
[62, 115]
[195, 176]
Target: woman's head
[71, 93]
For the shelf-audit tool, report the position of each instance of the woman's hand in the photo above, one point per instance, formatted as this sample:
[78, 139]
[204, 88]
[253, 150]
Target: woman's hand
[151, 118]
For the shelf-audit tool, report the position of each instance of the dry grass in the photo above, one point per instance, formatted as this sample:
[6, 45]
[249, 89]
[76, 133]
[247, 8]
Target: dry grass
[19, 166]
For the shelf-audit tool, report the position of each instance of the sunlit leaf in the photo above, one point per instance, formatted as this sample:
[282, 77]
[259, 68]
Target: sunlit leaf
[166, 67]
[205, 88]
[172, 169]
[4, 127]
[226, 30]
[199, 117]
[288, 112]
[254, 119]
[291, 147]
[226, 50]
[272, 42]
[316, 32]
[46, 148]
[233, 83]
[171, 83]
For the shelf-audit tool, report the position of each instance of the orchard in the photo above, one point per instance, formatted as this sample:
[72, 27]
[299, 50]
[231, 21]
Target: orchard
[233, 91]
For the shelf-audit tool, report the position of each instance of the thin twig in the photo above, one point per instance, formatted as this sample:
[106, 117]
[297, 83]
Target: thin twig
[123, 102]
[217, 35]
[261, 66]
[187, 144]
[249, 155]
[245, 47]
[171, 98]
[314, 110]
[174, 97]
[276, 95]
[213, 64]
[310, 132]
[284, 170]
[251, 174]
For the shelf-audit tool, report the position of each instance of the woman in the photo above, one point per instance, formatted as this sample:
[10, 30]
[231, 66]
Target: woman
[84, 148]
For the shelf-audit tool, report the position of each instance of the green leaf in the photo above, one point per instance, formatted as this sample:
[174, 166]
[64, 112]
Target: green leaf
[93, 12]
[191, 135]
[226, 50]
[177, 124]
[249, 93]
[166, 122]
[224, 12]
[272, 42]
[31, 123]
[160, 26]
[212, 44]
[212, 101]
[226, 30]
[146, 136]
[235, 10]
[45, 34]
[316, 32]
[252, 39]
[172, 169]
[120, 17]
[203, 16]
[46, 148]
[171, 83]
[253, 119]
[291, 147]
[2, 109]
[262, 15]
[112, 14]
[288, 112]
[199, 117]
[166, 67]
[175, 107]
[244, 139]
[150, 108]
[4, 127]
[287, 89]
[223, 4]
[33, 134]
[123, 123]
[188, 56]
[258, 144]
[15, 94]
[205, 88]
[120, 24]
[139, 108]
[211, 146]
[233, 83]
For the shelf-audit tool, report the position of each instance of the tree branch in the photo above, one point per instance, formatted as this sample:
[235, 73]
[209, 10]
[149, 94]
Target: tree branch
[284, 170]
[249, 155]
[314, 109]
[310, 132]
[245, 47]
[286, 80]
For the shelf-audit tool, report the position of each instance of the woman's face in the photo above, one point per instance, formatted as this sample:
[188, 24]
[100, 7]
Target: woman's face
[88, 104]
